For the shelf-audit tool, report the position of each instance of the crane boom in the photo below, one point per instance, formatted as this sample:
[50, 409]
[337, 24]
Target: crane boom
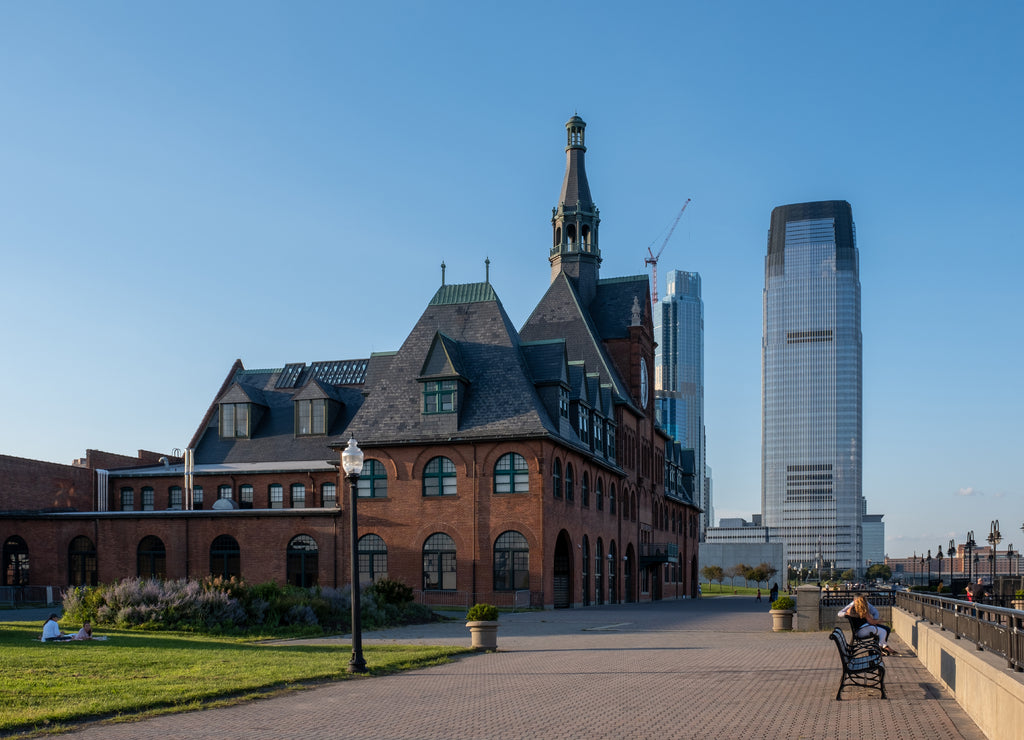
[652, 259]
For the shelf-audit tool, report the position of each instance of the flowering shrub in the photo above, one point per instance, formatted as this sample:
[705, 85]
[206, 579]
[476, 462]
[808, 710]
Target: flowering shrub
[232, 606]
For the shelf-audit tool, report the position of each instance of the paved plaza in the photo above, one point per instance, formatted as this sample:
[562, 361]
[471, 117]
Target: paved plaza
[709, 668]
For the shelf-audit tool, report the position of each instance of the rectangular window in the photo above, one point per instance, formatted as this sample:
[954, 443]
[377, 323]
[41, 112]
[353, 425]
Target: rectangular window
[611, 443]
[127, 499]
[311, 417]
[276, 496]
[563, 402]
[439, 397]
[197, 497]
[148, 502]
[298, 496]
[245, 496]
[329, 494]
[224, 492]
[175, 497]
[234, 420]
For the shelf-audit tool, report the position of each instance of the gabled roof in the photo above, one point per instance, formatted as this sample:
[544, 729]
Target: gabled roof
[444, 360]
[559, 314]
[274, 435]
[547, 361]
[470, 325]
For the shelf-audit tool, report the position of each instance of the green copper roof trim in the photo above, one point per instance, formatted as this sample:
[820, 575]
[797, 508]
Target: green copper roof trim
[450, 295]
[624, 279]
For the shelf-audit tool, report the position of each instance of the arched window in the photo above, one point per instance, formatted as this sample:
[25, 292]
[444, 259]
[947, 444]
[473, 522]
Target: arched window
[585, 569]
[245, 496]
[599, 495]
[611, 499]
[511, 562]
[127, 499]
[585, 489]
[174, 497]
[225, 557]
[511, 474]
[151, 558]
[82, 564]
[373, 558]
[15, 562]
[276, 496]
[556, 478]
[439, 477]
[298, 496]
[303, 561]
[569, 493]
[439, 562]
[599, 572]
[225, 492]
[148, 498]
[329, 495]
[613, 568]
[373, 481]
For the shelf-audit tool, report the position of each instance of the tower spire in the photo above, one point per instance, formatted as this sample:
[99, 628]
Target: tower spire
[574, 222]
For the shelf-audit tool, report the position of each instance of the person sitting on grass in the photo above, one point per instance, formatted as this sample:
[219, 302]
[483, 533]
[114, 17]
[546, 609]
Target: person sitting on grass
[51, 630]
[865, 621]
[85, 633]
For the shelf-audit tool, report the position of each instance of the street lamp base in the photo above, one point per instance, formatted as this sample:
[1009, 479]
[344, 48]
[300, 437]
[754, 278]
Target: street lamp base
[357, 665]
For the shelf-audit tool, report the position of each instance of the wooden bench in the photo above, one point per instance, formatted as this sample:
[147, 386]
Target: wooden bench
[864, 669]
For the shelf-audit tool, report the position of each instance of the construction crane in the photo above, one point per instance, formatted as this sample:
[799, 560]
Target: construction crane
[652, 260]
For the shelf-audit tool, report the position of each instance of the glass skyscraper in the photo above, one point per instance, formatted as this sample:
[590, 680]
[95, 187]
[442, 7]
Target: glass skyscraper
[811, 371]
[679, 375]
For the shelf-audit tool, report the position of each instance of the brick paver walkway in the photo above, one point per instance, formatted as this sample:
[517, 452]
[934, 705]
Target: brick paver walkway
[709, 668]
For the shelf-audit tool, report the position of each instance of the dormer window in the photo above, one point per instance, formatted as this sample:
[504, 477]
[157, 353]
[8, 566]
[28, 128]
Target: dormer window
[311, 417]
[234, 421]
[439, 396]
[584, 429]
[563, 402]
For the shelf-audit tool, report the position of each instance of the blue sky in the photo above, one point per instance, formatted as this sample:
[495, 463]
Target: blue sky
[189, 183]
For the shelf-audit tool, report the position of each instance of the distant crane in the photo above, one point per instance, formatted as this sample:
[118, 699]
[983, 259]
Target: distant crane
[653, 259]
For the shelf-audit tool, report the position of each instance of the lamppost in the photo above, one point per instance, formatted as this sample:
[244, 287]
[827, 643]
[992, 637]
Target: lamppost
[969, 548]
[994, 538]
[939, 566]
[1009, 560]
[352, 462]
[951, 552]
[929, 559]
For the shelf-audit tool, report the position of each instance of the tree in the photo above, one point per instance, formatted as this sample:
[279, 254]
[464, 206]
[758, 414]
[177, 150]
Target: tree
[713, 573]
[741, 570]
[768, 570]
[848, 575]
[879, 570]
[732, 574]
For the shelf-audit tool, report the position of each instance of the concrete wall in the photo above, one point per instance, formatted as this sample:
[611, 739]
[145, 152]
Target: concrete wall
[991, 693]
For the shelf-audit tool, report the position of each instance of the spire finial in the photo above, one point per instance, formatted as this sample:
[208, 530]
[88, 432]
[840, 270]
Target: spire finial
[442, 273]
[487, 270]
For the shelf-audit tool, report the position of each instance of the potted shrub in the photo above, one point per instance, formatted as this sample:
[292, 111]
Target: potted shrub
[1018, 599]
[782, 611]
[482, 620]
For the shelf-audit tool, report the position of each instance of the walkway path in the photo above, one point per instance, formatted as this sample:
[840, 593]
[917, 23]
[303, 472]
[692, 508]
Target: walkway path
[709, 668]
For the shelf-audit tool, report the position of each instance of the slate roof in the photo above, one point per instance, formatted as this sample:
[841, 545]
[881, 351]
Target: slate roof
[546, 360]
[559, 314]
[500, 400]
[273, 438]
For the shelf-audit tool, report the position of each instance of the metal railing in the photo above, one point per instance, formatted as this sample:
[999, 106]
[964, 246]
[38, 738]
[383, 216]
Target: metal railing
[830, 602]
[17, 596]
[994, 628]
[461, 600]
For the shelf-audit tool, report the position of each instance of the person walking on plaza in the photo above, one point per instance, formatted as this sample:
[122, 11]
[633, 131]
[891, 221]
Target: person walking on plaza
[774, 593]
[758, 593]
[864, 620]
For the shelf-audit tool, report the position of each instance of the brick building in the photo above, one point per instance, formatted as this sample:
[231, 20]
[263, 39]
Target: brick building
[501, 465]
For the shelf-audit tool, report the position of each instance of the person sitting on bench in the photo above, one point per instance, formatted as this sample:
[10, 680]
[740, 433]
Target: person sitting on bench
[864, 619]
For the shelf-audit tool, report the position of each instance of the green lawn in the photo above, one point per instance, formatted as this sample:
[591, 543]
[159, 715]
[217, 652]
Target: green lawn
[48, 685]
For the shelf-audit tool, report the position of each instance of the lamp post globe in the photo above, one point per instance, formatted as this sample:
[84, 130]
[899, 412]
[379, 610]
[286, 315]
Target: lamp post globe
[352, 463]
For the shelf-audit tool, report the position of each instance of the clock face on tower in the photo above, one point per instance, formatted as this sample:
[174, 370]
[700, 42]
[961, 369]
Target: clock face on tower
[643, 383]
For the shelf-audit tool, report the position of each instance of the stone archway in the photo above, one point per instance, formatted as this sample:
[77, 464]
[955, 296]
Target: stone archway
[562, 572]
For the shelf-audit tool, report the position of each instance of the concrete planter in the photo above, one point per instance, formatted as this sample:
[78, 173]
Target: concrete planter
[782, 619]
[484, 636]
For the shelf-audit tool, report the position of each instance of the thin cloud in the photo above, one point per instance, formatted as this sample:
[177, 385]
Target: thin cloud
[969, 492]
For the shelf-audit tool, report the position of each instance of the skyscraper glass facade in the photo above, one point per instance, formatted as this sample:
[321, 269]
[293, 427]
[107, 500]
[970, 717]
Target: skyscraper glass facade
[811, 445]
[679, 374]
